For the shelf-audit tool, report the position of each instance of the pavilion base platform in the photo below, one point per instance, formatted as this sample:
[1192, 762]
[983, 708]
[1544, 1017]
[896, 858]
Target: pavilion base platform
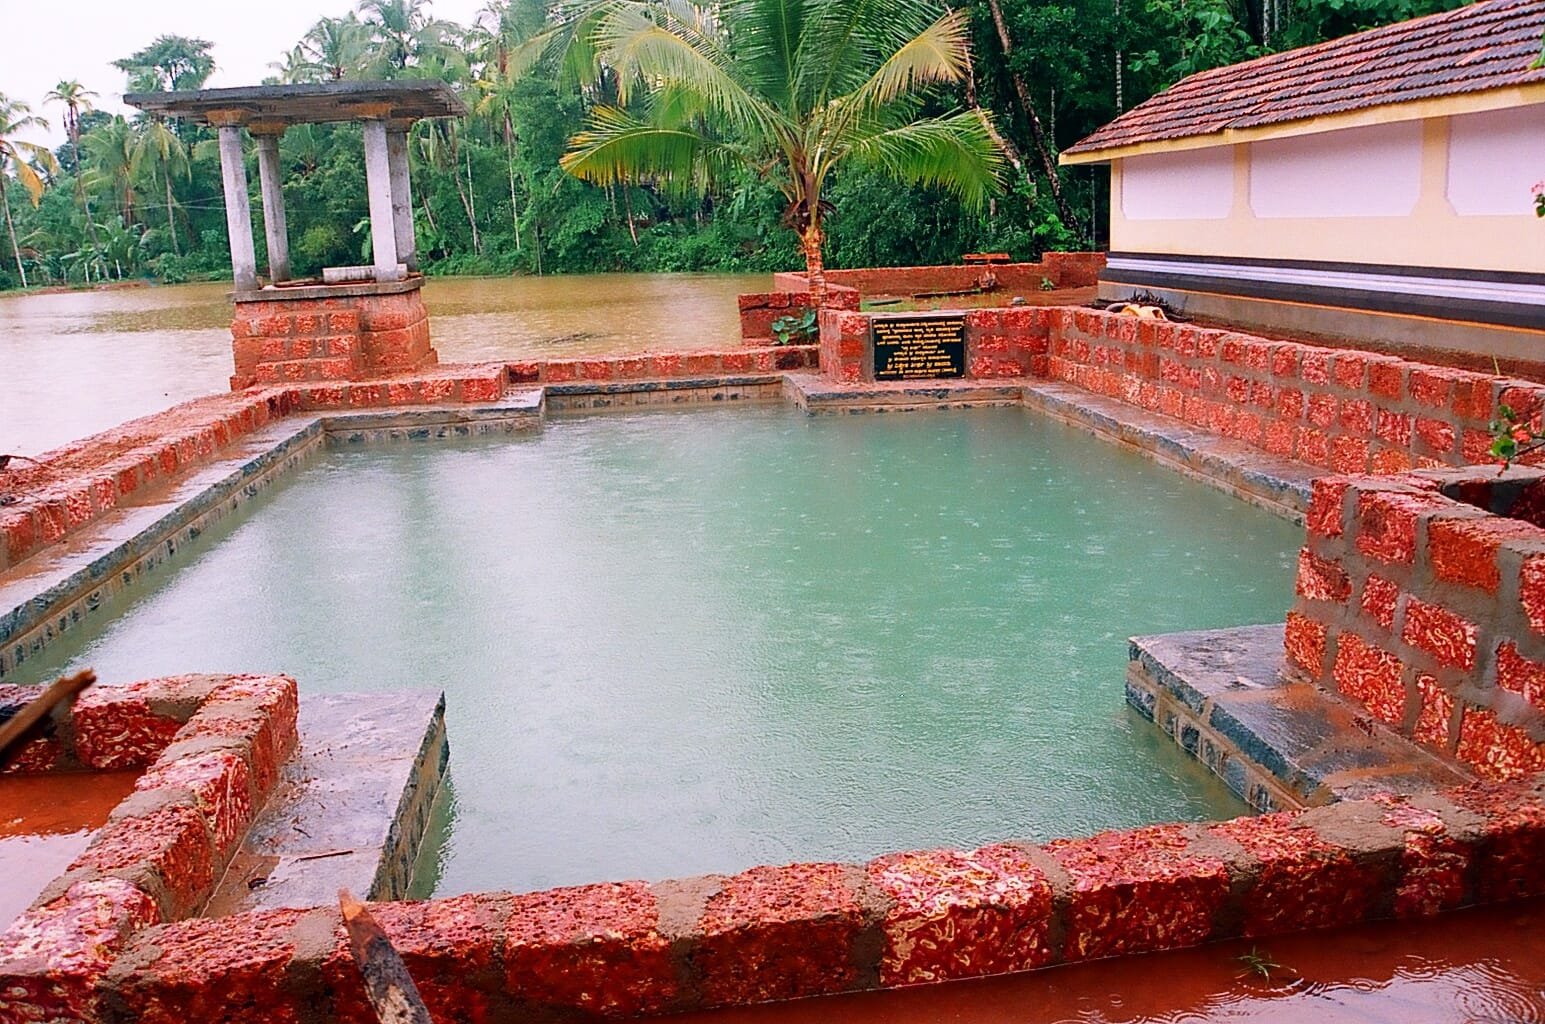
[1224, 697]
[350, 809]
[308, 333]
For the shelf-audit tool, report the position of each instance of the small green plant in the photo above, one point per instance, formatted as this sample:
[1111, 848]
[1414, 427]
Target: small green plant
[1513, 437]
[1047, 286]
[796, 329]
[1539, 189]
[1259, 963]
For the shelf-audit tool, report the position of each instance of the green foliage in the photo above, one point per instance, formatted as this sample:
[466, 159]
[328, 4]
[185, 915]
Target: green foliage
[1199, 34]
[1514, 436]
[490, 196]
[1258, 962]
[170, 63]
[796, 328]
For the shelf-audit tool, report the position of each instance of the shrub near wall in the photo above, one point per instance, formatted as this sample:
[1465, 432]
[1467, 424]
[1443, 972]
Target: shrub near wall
[1430, 611]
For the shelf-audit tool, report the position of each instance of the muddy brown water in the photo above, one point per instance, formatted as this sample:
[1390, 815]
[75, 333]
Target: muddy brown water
[46, 820]
[74, 363]
[1483, 966]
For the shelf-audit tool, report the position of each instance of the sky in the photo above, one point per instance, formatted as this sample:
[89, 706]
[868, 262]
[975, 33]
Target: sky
[44, 41]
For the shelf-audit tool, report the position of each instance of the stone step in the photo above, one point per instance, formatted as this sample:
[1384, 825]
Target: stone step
[1279, 743]
[351, 807]
[819, 394]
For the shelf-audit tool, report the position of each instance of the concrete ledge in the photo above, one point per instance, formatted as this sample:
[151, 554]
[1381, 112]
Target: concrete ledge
[620, 950]
[1276, 484]
[1224, 696]
[312, 292]
[517, 412]
[350, 808]
[68, 583]
[816, 394]
[596, 396]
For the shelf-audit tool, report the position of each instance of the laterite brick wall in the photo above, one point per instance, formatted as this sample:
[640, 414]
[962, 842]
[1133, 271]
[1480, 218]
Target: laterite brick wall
[1430, 611]
[1346, 411]
[286, 341]
[758, 310]
[622, 949]
[1000, 343]
[1061, 269]
[87, 479]
[665, 365]
[211, 748]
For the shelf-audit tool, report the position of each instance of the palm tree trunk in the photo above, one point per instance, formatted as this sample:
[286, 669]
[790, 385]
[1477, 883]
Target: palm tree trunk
[1002, 142]
[1028, 105]
[466, 203]
[627, 207]
[509, 162]
[815, 266]
[5, 200]
[171, 218]
[80, 185]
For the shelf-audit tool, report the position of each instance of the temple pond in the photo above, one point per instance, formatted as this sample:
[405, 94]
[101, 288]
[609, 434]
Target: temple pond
[675, 643]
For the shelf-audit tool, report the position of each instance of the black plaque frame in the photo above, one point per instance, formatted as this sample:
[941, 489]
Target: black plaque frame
[918, 346]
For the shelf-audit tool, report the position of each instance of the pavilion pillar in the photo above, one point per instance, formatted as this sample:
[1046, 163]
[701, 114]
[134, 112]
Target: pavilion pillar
[378, 182]
[274, 227]
[402, 193]
[238, 215]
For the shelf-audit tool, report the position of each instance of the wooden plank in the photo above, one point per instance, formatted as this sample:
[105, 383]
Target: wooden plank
[60, 690]
[388, 985]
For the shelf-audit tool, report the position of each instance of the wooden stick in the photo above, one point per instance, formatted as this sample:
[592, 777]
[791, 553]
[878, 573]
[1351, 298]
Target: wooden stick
[388, 985]
[60, 690]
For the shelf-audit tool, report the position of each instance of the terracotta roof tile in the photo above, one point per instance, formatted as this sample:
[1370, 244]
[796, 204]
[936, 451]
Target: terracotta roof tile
[1487, 45]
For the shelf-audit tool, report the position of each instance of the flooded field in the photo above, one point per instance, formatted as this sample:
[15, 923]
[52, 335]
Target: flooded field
[75, 363]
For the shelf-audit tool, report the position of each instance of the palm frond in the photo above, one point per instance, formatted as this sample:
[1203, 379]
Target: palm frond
[767, 47]
[29, 180]
[640, 48]
[955, 153]
[937, 54]
[844, 41]
[618, 148]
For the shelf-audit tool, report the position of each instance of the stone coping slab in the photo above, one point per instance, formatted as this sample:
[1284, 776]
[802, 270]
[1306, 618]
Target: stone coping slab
[619, 950]
[51, 592]
[817, 394]
[350, 808]
[1276, 484]
[1225, 696]
[54, 591]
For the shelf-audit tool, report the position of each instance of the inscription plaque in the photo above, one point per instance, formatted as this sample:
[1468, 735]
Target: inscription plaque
[919, 347]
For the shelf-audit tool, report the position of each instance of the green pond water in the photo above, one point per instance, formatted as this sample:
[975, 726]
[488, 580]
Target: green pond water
[676, 643]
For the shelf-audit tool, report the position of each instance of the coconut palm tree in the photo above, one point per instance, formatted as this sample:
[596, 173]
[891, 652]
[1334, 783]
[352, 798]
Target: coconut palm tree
[76, 100]
[501, 29]
[111, 148]
[400, 32]
[337, 46]
[16, 117]
[798, 89]
[160, 152]
[297, 67]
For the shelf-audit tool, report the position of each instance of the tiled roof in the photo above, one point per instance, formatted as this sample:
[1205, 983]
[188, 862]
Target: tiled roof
[1487, 45]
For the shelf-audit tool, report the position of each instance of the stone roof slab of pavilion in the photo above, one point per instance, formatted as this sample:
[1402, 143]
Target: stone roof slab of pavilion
[306, 104]
[387, 110]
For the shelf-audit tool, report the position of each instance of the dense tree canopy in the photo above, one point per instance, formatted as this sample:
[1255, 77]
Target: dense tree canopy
[492, 195]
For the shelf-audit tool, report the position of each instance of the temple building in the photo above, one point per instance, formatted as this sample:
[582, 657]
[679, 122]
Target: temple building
[1378, 188]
